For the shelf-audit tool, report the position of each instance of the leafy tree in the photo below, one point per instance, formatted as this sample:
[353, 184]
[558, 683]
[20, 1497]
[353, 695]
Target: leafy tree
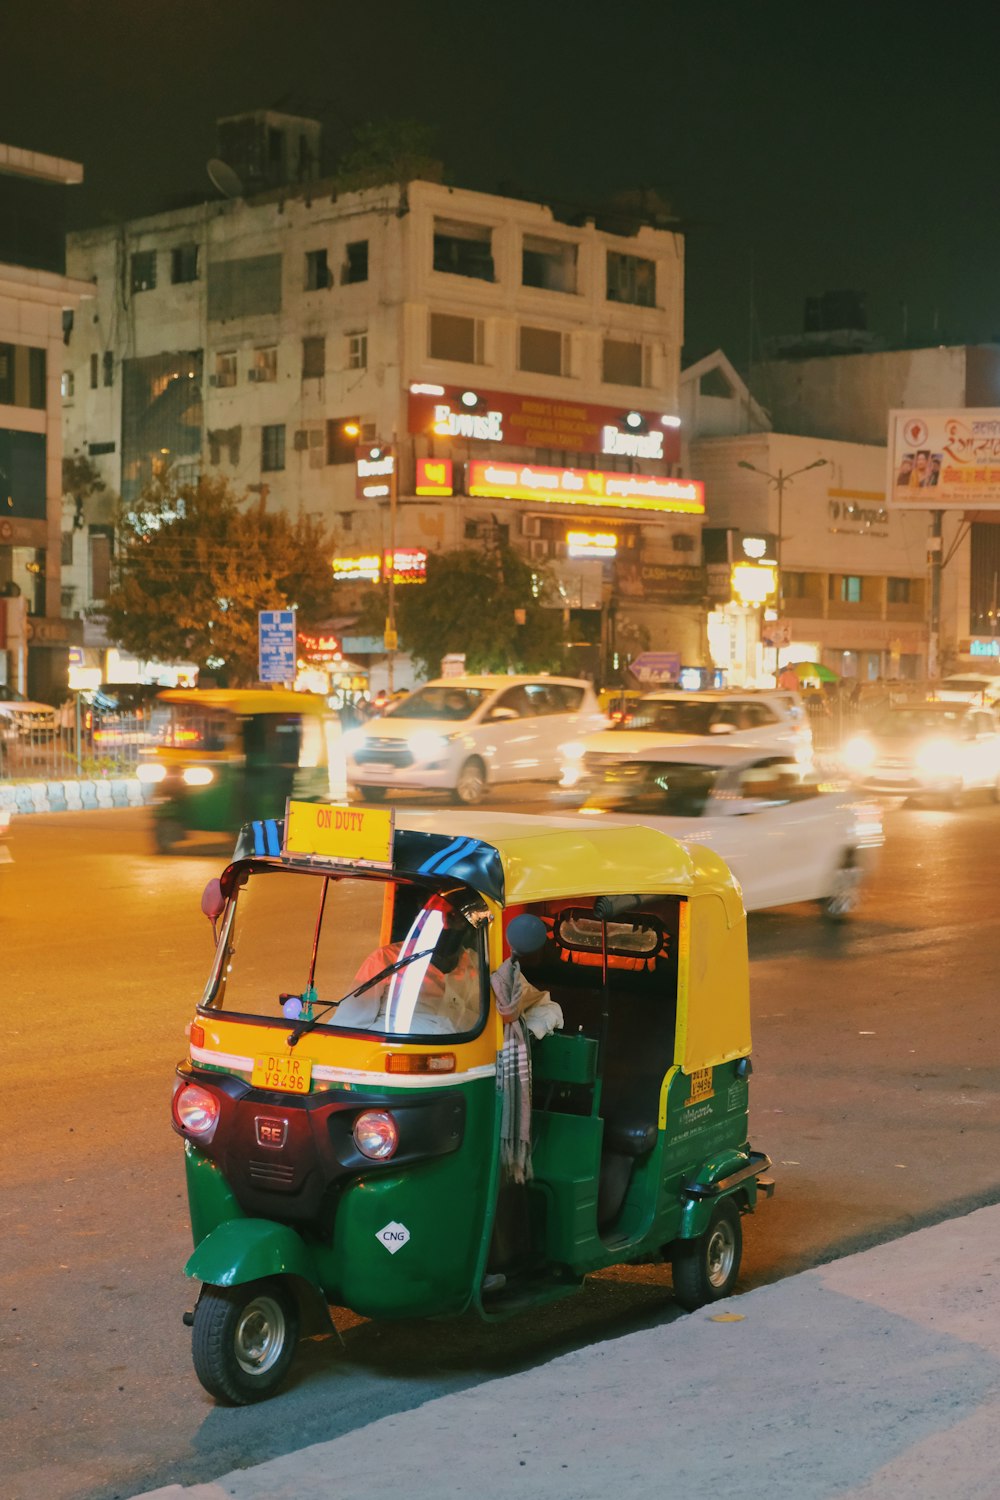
[476, 602]
[392, 150]
[197, 562]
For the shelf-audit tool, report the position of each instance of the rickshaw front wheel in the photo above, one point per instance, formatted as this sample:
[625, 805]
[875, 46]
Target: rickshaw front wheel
[244, 1339]
[705, 1269]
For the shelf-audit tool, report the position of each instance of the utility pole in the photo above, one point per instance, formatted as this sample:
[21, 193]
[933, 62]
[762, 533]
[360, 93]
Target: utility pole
[779, 481]
[391, 638]
[934, 550]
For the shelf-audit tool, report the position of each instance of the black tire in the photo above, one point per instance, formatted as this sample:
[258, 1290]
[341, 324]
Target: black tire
[167, 834]
[244, 1339]
[470, 787]
[373, 793]
[842, 899]
[705, 1269]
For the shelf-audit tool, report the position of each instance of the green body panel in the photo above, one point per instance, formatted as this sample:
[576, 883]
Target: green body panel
[566, 1159]
[703, 1141]
[242, 1250]
[446, 1205]
[210, 1198]
[207, 809]
[564, 1059]
[240, 794]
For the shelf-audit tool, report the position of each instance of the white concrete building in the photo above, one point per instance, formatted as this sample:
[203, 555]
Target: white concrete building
[266, 337]
[35, 299]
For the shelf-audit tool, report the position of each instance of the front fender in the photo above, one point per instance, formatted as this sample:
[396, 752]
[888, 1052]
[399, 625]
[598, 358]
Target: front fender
[731, 1173]
[240, 1250]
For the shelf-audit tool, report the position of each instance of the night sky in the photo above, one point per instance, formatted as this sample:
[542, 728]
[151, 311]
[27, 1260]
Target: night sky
[805, 147]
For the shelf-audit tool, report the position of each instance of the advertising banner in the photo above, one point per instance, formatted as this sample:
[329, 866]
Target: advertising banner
[944, 459]
[660, 583]
[499, 480]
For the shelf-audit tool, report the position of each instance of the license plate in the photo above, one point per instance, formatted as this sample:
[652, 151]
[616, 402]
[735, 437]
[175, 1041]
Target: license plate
[291, 1075]
[379, 765]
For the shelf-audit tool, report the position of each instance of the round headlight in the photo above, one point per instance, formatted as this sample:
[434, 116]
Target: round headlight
[859, 753]
[198, 775]
[150, 772]
[376, 1134]
[196, 1111]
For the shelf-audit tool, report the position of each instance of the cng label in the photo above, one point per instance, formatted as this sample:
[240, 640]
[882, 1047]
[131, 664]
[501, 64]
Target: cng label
[394, 1236]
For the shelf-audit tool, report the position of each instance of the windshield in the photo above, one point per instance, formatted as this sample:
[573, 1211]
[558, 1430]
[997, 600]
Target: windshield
[439, 703]
[902, 723]
[673, 716]
[283, 925]
[195, 726]
[664, 789]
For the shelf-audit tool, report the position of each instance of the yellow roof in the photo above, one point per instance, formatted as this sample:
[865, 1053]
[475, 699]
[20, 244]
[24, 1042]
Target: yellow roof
[248, 700]
[545, 858]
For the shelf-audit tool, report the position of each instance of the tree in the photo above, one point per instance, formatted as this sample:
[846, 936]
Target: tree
[197, 562]
[393, 150]
[480, 603]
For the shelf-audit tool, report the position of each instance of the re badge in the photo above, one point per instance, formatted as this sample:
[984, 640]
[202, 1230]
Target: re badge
[394, 1236]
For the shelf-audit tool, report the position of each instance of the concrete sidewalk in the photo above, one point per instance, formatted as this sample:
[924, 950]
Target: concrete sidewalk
[873, 1376]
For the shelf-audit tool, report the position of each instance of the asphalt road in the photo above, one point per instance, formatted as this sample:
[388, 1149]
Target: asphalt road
[874, 1092]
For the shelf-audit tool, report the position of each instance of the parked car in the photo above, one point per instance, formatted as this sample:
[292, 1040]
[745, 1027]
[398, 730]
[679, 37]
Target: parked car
[937, 749]
[22, 718]
[786, 835]
[773, 719]
[969, 687]
[463, 734]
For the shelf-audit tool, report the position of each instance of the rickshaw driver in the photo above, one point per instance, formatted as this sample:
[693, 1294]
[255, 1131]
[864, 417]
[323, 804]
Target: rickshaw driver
[438, 992]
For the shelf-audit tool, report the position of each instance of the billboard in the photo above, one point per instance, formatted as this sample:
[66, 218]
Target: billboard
[497, 479]
[945, 459]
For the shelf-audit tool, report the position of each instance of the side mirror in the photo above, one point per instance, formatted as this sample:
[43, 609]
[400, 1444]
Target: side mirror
[213, 904]
[720, 729]
[501, 715]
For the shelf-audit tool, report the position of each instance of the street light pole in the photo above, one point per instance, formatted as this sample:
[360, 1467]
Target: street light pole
[779, 481]
[390, 623]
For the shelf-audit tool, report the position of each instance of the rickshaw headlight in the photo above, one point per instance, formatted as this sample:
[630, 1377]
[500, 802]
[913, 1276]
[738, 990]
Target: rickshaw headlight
[151, 772]
[196, 1111]
[198, 775]
[376, 1134]
[859, 753]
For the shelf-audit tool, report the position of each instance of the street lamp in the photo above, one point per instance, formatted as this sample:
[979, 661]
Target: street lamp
[779, 481]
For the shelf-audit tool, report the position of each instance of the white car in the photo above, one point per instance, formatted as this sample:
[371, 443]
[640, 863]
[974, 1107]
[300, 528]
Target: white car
[785, 834]
[969, 687]
[463, 734]
[935, 749]
[774, 720]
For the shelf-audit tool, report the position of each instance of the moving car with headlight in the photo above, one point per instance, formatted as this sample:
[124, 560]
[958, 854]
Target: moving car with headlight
[462, 735]
[773, 719]
[937, 749]
[458, 1063]
[786, 834]
[225, 756]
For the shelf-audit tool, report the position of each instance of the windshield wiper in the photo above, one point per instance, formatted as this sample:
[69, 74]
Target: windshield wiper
[300, 1030]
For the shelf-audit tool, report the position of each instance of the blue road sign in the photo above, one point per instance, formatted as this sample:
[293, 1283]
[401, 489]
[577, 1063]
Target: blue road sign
[656, 666]
[276, 645]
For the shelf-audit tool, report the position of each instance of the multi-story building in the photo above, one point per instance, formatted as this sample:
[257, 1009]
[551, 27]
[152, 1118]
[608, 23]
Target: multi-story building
[521, 367]
[37, 303]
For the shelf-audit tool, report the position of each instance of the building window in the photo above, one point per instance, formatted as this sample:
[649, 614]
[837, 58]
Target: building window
[66, 550]
[464, 249]
[355, 262]
[846, 588]
[94, 366]
[631, 279]
[343, 434]
[318, 276]
[143, 270]
[314, 358]
[265, 364]
[543, 351]
[455, 338]
[100, 561]
[67, 385]
[549, 264]
[898, 591]
[622, 363]
[183, 264]
[22, 376]
[793, 585]
[108, 362]
[272, 447]
[357, 351]
[225, 370]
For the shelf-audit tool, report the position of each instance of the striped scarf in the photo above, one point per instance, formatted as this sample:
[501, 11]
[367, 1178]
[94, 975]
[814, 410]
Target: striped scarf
[513, 1074]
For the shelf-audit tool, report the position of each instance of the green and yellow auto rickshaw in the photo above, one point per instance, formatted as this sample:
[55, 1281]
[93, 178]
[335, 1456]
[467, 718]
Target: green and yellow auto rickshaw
[458, 1063]
[225, 756]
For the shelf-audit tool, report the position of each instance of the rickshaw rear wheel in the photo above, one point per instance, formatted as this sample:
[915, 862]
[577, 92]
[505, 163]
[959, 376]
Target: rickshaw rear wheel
[244, 1339]
[167, 833]
[705, 1269]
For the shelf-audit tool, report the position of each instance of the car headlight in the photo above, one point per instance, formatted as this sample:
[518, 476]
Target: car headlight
[150, 772]
[859, 753]
[428, 745]
[936, 756]
[572, 750]
[198, 775]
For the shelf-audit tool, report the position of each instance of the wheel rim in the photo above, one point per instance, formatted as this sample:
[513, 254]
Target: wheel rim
[471, 783]
[260, 1336]
[844, 896]
[720, 1254]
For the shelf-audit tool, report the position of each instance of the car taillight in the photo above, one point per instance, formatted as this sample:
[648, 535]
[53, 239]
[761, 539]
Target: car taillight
[376, 1134]
[196, 1111]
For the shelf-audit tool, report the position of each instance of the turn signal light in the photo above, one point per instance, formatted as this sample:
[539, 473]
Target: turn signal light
[196, 1034]
[420, 1062]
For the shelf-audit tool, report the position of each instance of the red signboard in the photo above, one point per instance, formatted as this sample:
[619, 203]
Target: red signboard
[435, 476]
[493, 479]
[543, 422]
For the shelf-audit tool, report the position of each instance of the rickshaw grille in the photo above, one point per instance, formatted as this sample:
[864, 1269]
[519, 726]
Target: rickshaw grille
[271, 1174]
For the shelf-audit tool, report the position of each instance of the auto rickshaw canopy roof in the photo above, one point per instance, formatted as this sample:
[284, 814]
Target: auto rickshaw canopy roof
[248, 700]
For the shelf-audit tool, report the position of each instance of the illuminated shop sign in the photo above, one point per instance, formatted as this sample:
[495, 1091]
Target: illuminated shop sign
[356, 569]
[319, 647]
[411, 567]
[541, 422]
[435, 476]
[591, 544]
[754, 582]
[375, 468]
[984, 648]
[649, 492]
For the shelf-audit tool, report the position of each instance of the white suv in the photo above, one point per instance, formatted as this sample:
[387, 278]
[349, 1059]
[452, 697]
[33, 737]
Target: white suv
[463, 734]
[772, 719]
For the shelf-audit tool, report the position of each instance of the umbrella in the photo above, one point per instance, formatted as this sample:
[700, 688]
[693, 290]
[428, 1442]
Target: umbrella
[807, 671]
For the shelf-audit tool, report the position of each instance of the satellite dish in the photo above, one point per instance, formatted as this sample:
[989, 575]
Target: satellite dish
[224, 178]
